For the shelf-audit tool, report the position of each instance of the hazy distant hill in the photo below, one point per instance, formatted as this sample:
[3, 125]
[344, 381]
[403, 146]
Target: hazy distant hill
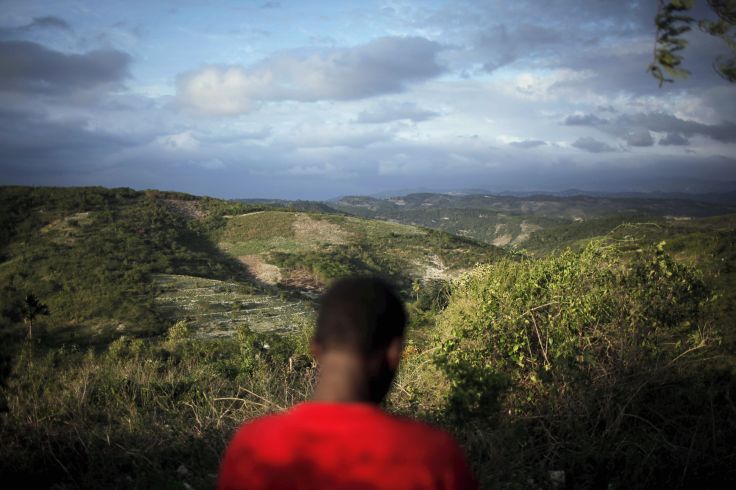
[511, 220]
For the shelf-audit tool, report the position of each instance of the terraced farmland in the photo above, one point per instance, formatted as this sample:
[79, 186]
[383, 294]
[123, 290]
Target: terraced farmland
[215, 308]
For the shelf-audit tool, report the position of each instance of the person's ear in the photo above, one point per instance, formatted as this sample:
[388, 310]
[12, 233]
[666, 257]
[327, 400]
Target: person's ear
[393, 353]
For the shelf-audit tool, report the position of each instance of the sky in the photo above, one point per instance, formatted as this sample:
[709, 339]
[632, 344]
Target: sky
[319, 99]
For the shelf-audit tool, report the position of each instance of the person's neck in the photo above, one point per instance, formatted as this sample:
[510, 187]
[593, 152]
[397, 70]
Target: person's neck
[343, 379]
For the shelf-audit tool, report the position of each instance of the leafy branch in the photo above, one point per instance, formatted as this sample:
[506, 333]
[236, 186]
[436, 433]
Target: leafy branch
[673, 22]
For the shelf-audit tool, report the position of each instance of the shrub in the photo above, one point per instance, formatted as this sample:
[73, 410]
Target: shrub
[586, 362]
[179, 331]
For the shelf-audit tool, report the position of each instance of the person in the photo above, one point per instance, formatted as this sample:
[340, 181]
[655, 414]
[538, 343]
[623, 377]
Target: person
[341, 438]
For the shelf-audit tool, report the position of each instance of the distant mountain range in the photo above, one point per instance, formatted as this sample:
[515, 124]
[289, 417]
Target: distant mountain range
[726, 193]
[510, 220]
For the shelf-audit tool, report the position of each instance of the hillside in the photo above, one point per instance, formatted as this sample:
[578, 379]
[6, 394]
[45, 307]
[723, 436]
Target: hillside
[511, 220]
[707, 244]
[174, 318]
[306, 250]
[297, 205]
[115, 261]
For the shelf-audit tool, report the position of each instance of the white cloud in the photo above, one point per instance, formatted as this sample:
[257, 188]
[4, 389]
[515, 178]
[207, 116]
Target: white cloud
[223, 90]
[384, 65]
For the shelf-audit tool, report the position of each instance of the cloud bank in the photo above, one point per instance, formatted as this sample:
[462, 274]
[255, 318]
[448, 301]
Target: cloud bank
[382, 66]
[287, 101]
[30, 67]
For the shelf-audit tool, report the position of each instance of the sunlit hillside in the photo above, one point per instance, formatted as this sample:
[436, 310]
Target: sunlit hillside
[510, 221]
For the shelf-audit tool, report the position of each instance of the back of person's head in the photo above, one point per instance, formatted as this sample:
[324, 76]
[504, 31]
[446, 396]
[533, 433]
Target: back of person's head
[360, 314]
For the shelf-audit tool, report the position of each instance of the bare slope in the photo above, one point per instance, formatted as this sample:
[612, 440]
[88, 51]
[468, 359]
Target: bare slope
[307, 250]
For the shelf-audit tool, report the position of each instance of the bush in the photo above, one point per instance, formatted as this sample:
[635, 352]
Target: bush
[179, 331]
[590, 363]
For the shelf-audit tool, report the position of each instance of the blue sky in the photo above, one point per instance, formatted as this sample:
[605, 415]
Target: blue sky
[319, 99]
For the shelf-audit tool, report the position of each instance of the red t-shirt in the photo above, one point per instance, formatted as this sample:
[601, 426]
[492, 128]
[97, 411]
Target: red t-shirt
[353, 446]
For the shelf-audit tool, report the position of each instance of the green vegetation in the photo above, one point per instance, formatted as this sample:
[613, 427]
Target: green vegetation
[263, 231]
[597, 363]
[604, 350]
[510, 221]
[318, 248]
[89, 254]
[709, 244]
[673, 21]
[154, 414]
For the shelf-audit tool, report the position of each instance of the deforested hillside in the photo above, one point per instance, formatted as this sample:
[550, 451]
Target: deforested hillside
[509, 221]
[90, 255]
[306, 250]
[109, 262]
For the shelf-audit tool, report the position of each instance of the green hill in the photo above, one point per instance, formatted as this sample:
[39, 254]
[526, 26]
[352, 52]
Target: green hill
[306, 250]
[109, 262]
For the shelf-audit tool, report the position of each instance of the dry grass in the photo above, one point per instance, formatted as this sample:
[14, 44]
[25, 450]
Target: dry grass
[261, 270]
[315, 232]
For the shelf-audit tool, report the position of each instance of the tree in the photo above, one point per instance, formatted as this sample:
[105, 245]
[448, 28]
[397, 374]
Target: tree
[673, 22]
[31, 308]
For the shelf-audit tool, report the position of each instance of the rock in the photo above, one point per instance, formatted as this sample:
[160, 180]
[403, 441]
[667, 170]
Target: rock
[557, 478]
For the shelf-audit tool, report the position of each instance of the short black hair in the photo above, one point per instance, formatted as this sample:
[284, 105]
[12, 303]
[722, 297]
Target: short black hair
[360, 313]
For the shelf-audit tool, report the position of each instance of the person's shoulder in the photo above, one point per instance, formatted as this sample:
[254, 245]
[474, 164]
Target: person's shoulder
[258, 428]
[438, 448]
[414, 430]
[253, 441]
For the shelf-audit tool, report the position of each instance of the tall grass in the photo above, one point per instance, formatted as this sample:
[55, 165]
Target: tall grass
[140, 414]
